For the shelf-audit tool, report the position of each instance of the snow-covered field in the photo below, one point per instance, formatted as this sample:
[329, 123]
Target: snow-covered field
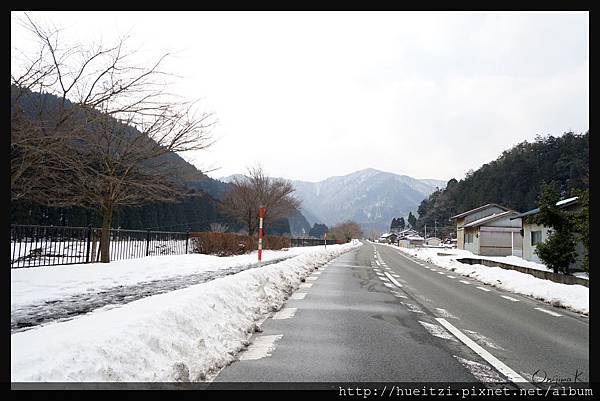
[181, 335]
[570, 296]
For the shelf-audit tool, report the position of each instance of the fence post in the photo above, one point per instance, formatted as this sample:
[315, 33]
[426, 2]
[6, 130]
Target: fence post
[147, 242]
[187, 239]
[87, 246]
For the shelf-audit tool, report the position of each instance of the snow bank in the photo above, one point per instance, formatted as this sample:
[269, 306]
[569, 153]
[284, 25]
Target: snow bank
[177, 336]
[574, 297]
[40, 284]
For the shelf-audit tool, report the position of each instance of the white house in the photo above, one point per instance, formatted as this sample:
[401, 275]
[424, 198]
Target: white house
[534, 234]
[493, 235]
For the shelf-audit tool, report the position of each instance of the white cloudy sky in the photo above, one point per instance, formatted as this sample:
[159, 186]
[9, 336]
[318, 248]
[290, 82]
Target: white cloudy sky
[311, 95]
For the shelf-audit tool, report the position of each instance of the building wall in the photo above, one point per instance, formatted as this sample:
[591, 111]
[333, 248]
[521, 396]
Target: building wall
[528, 249]
[460, 234]
[474, 245]
[495, 243]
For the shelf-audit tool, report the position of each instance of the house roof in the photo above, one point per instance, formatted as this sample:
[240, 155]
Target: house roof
[561, 203]
[477, 209]
[414, 237]
[488, 219]
[388, 235]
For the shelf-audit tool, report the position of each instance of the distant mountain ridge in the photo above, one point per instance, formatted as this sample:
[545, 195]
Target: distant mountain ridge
[370, 197]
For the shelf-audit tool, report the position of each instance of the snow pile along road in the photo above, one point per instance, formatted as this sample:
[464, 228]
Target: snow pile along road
[570, 296]
[182, 335]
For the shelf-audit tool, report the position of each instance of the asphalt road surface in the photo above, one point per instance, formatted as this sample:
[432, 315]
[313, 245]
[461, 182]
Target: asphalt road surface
[377, 315]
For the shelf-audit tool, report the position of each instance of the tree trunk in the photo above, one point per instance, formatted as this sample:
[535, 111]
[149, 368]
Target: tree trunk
[105, 236]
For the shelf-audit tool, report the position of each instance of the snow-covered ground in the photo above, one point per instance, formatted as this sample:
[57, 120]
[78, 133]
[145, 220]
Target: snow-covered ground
[570, 296]
[42, 284]
[180, 335]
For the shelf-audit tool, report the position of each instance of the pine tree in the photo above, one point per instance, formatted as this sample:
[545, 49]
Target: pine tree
[558, 251]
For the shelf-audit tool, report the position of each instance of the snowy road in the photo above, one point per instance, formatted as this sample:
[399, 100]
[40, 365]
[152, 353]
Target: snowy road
[28, 316]
[377, 315]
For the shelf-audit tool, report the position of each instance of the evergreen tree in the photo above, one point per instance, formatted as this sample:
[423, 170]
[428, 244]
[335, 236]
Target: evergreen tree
[581, 222]
[318, 230]
[558, 251]
[401, 223]
[412, 220]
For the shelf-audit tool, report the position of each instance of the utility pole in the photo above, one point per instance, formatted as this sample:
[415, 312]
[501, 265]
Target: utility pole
[425, 231]
[260, 233]
[435, 225]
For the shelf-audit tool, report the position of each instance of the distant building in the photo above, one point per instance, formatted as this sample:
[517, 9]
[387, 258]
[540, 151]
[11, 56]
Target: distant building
[411, 241]
[389, 238]
[433, 241]
[472, 215]
[407, 233]
[534, 234]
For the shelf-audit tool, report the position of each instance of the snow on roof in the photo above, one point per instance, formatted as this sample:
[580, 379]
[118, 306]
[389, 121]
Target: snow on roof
[489, 218]
[414, 237]
[477, 209]
[560, 203]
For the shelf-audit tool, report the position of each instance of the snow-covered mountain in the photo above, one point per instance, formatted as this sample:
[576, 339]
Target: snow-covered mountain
[370, 197]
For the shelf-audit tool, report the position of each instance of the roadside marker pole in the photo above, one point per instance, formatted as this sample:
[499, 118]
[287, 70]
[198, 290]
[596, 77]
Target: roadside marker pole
[325, 240]
[260, 233]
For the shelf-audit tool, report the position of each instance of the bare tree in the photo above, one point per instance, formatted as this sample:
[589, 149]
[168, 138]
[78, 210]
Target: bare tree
[347, 230]
[106, 142]
[248, 194]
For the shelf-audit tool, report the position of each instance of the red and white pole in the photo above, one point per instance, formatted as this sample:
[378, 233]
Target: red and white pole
[260, 233]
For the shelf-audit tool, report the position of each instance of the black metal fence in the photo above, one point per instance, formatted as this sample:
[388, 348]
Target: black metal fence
[294, 242]
[58, 245]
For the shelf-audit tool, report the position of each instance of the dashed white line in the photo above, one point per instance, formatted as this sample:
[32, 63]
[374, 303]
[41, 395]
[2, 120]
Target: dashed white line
[441, 273]
[549, 312]
[285, 313]
[392, 279]
[489, 358]
[450, 276]
[262, 347]
[484, 289]
[464, 282]
[509, 298]
[412, 308]
[437, 331]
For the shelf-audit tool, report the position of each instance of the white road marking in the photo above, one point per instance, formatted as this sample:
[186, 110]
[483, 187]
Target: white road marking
[483, 339]
[389, 285]
[383, 278]
[395, 275]
[306, 285]
[445, 313]
[393, 280]
[262, 347]
[412, 308]
[298, 295]
[285, 313]
[311, 278]
[489, 358]
[437, 331]
[509, 298]
[441, 273]
[484, 289]
[464, 282]
[549, 312]
[316, 273]
[482, 372]
[451, 276]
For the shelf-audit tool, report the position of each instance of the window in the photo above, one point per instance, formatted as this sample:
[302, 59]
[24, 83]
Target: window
[536, 237]
[469, 238]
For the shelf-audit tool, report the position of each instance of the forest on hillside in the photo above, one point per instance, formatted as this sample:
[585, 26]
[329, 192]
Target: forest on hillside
[514, 179]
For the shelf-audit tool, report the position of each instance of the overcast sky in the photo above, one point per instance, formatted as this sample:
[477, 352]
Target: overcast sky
[315, 94]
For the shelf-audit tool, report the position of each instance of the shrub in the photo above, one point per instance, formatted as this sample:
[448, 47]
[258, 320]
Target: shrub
[227, 244]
